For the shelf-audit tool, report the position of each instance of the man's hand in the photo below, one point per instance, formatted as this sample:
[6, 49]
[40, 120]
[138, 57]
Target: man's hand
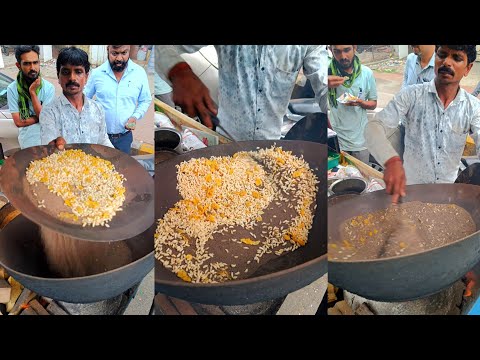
[34, 86]
[394, 177]
[335, 81]
[59, 142]
[131, 123]
[192, 95]
[358, 102]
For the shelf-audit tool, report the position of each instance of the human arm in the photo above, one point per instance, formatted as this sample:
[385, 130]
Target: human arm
[12, 98]
[48, 126]
[189, 92]
[381, 149]
[144, 98]
[37, 106]
[24, 122]
[475, 129]
[370, 101]
[315, 68]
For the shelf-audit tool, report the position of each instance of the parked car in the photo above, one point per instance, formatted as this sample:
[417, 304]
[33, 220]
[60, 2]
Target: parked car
[8, 129]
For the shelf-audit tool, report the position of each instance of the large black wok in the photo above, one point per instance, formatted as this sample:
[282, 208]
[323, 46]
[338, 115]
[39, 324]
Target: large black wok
[413, 276]
[21, 254]
[275, 278]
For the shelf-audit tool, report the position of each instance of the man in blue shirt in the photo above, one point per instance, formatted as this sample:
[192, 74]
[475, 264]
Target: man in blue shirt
[420, 65]
[121, 86]
[28, 94]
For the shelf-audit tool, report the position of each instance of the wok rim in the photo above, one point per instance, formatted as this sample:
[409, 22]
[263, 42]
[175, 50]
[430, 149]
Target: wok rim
[60, 280]
[235, 283]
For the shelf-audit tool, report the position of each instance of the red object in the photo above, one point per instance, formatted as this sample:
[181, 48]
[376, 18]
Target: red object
[181, 66]
[392, 160]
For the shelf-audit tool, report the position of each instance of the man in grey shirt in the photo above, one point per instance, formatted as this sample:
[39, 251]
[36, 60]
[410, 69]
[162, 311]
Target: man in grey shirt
[72, 117]
[255, 84]
[437, 116]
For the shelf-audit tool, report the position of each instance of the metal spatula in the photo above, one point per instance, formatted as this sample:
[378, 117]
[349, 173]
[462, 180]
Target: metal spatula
[404, 237]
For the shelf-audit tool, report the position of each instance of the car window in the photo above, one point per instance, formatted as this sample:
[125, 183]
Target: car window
[4, 82]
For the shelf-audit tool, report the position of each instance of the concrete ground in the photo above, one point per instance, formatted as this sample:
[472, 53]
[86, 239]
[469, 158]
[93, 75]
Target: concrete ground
[144, 129]
[143, 300]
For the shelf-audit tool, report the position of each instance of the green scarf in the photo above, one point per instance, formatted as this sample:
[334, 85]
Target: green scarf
[24, 95]
[337, 71]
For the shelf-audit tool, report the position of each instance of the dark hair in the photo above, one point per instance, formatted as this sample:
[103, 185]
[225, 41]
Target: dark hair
[22, 49]
[73, 56]
[470, 50]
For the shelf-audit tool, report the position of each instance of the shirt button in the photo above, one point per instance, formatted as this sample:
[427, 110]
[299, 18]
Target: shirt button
[258, 128]
[438, 163]
[438, 178]
[441, 130]
[258, 109]
[439, 147]
[263, 68]
[260, 90]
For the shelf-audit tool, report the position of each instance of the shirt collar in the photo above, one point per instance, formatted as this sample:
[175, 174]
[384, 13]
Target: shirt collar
[430, 63]
[64, 100]
[461, 95]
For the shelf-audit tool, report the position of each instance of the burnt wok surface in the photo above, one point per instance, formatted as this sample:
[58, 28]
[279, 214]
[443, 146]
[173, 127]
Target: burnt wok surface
[363, 236]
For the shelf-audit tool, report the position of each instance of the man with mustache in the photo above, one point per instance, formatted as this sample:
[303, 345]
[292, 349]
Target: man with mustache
[72, 117]
[420, 65]
[255, 85]
[437, 117]
[121, 86]
[347, 75]
[28, 94]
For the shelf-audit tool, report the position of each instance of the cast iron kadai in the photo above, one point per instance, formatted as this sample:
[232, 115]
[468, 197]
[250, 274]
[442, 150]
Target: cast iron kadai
[274, 279]
[136, 217]
[412, 276]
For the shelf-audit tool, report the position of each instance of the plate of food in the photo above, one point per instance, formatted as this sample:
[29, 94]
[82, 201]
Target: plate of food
[87, 191]
[346, 98]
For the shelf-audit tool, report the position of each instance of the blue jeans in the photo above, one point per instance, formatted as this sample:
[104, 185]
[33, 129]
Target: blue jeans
[122, 142]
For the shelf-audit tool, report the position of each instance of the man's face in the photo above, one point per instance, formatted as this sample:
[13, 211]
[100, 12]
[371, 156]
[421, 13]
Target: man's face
[29, 65]
[420, 50]
[118, 57]
[344, 55]
[451, 65]
[72, 79]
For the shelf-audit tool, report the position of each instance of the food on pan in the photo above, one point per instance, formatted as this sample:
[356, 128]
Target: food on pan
[236, 213]
[90, 186]
[377, 234]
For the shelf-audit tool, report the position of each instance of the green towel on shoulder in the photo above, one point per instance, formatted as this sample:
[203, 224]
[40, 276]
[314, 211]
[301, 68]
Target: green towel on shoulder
[24, 95]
